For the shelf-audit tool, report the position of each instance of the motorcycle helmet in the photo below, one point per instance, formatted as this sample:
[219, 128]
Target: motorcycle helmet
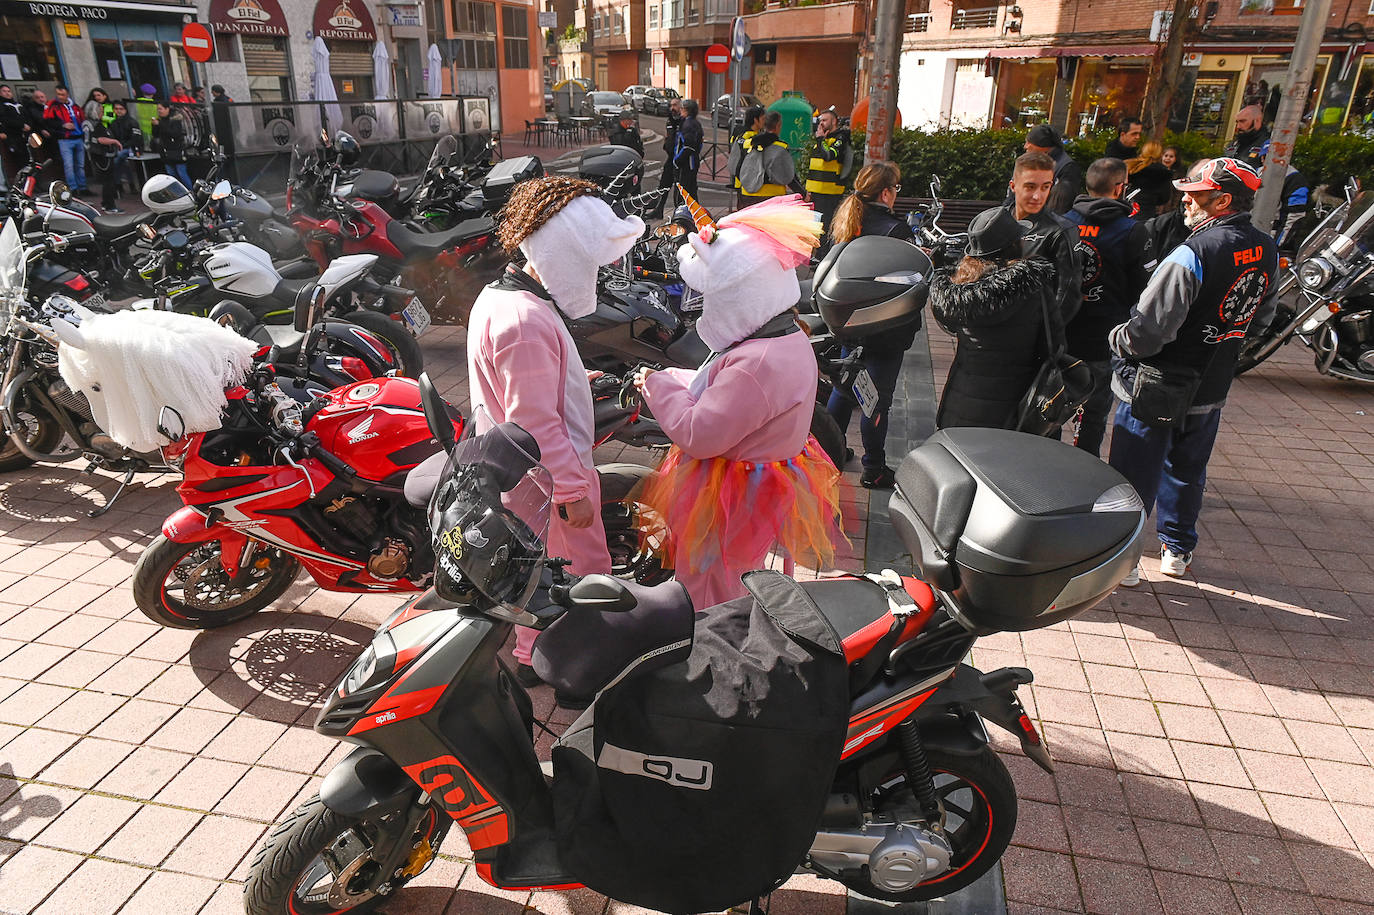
[347, 148]
[488, 517]
[165, 194]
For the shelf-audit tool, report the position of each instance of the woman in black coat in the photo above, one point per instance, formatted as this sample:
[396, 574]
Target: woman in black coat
[994, 303]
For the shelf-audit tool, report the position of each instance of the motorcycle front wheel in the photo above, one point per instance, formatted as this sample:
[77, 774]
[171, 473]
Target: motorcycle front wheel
[1250, 347]
[184, 585]
[405, 349]
[979, 802]
[40, 432]
[318, 863]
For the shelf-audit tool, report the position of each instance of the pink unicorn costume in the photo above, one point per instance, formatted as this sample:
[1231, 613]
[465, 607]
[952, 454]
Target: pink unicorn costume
[744, 473]
[523, 366]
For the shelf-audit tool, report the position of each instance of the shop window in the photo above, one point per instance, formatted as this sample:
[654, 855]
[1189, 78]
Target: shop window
[1024, 92]
[108, 61]
[1361, 116]
[268, 65]
[226, 48]
[30, 43]
[515, 28]
[475, 54]
[1106, 91]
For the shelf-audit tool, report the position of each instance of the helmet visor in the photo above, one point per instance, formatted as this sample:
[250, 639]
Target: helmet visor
[489, 515]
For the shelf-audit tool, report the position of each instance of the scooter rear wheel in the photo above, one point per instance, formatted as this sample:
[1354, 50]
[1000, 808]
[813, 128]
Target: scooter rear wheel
[316, 863]
[184, 586]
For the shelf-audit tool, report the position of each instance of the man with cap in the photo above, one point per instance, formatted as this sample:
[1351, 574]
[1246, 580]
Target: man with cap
[625, 133]
[1047, 234]
[1068, 177]
[994, 302]
[147, 108]
[1176, 354]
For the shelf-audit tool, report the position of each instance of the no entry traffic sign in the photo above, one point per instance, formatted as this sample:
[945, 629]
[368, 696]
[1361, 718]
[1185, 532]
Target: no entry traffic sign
[717, 58]
[195, 38]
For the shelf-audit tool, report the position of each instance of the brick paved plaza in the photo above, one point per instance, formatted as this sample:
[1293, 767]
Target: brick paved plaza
[1214, 736]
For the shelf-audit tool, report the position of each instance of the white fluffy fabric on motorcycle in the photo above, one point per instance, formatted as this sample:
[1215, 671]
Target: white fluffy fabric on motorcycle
[567, 250]
[131, 364]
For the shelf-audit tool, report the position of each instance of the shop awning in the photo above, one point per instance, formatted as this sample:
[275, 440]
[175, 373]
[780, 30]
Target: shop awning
[248, 17]
[1092, 50]
[345, 19]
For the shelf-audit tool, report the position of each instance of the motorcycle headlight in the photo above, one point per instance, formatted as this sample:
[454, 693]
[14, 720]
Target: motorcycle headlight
[1314, 272]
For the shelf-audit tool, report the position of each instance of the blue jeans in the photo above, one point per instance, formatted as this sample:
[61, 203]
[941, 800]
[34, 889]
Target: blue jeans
[884, 367]
[1167, 467]
[74, 162]
[178, 171]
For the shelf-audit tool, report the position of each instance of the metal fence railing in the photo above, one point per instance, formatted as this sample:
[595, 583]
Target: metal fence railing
[982, 17]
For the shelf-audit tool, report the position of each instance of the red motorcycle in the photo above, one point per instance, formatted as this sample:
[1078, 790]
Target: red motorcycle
[685, 806]
[331, 488]
[333, 224]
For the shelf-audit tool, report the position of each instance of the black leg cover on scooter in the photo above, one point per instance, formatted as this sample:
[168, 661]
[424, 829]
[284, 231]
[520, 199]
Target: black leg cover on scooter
[696, 786]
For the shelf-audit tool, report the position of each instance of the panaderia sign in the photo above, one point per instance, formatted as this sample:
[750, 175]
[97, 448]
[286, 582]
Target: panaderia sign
[247, 17]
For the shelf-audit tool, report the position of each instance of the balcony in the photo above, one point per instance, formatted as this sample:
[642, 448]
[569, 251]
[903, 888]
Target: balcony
[979, 17]
[817, 22]
[918, 22]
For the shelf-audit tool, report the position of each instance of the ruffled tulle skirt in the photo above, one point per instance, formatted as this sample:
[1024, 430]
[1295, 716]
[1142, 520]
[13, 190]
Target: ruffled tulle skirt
[718, 510]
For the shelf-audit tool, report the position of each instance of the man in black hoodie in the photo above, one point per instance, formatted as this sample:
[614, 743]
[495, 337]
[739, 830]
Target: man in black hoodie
[1117, 256]
[14, 132]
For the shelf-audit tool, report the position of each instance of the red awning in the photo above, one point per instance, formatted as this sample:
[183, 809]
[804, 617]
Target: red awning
[347, 19]
[247, 17]
[1094, 50]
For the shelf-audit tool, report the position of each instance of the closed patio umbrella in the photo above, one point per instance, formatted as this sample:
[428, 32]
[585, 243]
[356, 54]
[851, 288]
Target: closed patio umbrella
[324, 84]
[381, 71]
[435, 86]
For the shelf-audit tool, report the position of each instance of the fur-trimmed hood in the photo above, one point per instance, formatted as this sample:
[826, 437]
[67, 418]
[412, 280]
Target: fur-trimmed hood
[992, 298]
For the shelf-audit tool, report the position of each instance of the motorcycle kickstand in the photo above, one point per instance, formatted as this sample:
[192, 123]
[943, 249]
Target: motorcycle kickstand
[128, 475]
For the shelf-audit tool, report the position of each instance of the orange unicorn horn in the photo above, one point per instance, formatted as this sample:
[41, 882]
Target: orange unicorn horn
[706, 226]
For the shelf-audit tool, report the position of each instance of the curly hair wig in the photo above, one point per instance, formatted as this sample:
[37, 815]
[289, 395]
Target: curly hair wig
[534, 202]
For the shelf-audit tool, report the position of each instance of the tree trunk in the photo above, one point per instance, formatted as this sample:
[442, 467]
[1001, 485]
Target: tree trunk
[1165, 85]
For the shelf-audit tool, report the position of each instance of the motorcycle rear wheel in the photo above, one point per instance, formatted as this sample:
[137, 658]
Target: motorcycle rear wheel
[201, 595]
[43, 434]
[636, 547]
[405, 349]
[979, 801]
[295, 873]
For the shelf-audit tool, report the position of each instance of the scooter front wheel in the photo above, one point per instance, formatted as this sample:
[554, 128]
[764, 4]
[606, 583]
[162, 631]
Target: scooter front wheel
[184, 585]
[319, 862]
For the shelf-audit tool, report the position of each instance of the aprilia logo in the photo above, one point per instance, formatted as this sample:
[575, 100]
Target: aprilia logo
[384, 718]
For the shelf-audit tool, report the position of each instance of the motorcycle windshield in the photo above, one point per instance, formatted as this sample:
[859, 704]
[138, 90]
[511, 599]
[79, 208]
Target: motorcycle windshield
[442, 155]
[11, 271]
[1359, 221]
[489, 514]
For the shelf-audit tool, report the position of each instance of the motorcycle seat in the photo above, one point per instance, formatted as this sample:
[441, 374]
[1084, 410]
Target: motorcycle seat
[415, 245]
[115, 226]
[858, 610]
[423, 479]
[289, 291]
[286, 338]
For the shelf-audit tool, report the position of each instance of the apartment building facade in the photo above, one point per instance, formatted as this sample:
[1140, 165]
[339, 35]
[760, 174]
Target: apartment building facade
[1081, 65]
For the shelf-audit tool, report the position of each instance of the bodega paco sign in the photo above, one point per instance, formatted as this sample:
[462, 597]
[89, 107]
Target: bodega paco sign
[78, 11]
[344, 19]
[65, 11]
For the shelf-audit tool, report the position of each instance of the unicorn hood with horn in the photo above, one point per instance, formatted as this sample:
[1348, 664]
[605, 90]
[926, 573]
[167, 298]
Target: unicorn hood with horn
[744, 266]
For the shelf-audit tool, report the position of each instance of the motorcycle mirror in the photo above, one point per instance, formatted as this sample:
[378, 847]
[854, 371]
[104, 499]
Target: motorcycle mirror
[221, 190]
[602, 593]
[934, 185]
[170, 424]
[436, 413]
[35, 141]
[58, 192]
[147, 231]
[670, 230]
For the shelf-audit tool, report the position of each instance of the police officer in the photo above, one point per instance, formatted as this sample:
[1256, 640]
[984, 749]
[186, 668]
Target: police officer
[1187, 328]
[1117, 256]
[831, 158]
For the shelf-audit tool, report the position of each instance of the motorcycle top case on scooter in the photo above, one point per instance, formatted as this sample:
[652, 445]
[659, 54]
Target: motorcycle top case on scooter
[872, 285]
[1016, 531]
[505, 175]
[717, 764]
[379, 424]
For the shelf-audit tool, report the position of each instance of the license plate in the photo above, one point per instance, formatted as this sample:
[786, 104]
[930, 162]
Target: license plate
[866, 392]
[415, 316]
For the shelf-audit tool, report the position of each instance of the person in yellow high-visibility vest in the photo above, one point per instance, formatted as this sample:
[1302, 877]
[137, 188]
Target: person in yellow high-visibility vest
[766, 169]
[753, 125]
[831, 159]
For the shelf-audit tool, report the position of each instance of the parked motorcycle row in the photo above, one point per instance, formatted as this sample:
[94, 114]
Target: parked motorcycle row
[323, 460]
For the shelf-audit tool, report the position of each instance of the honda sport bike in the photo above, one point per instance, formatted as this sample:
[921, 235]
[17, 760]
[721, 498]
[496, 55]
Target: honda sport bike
[1008, 531]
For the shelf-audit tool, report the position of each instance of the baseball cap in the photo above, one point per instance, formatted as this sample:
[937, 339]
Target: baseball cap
[992, 232]
[1230, 176]
[1043, 135]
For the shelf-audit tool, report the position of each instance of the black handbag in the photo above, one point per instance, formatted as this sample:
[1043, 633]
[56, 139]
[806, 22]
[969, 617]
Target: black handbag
[1061, 386]
[1160, 397]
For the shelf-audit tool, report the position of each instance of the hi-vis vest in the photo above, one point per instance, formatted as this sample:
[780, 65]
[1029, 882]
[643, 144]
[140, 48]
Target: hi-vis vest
[767, 189]
[824, 174]
[742, 137]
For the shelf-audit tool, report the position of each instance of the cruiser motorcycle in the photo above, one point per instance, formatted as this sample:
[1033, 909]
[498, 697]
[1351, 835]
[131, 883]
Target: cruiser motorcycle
[1326, 297]
[1008, 532]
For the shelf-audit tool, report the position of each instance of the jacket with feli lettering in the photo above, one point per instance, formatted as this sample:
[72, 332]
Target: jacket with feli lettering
[1193, 315]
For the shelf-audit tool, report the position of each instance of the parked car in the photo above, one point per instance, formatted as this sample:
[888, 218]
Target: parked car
[548, 96]
[656, 101]
[634, 96]
[604, 106]
[734, 119]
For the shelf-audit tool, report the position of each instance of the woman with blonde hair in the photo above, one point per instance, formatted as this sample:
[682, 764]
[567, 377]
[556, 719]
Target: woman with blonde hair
[1152, 177]
[868, 211]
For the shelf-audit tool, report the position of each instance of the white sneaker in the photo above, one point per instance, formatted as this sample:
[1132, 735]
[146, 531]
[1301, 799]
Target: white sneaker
[1173, 564]
[1132, 578]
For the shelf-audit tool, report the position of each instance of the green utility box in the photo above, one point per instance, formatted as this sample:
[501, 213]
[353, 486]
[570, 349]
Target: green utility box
[796, 121]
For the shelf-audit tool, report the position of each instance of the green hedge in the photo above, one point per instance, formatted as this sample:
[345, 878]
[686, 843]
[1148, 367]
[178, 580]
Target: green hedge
[976, 164]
